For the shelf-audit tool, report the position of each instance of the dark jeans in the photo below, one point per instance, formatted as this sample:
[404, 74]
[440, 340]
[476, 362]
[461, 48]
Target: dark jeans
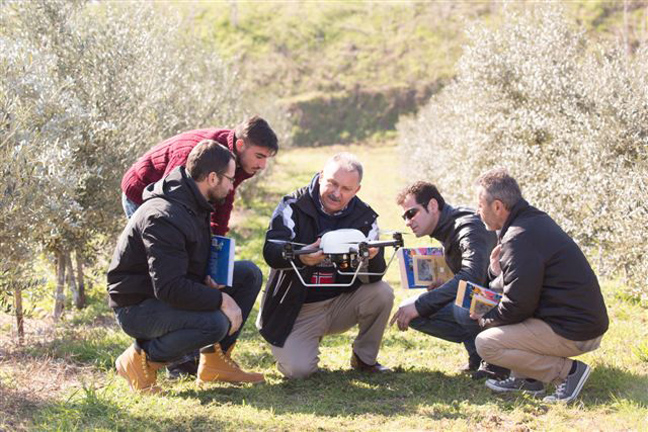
[450, 323]
[168, 334]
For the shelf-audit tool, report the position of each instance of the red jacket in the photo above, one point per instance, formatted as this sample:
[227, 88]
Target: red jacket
[173, 152]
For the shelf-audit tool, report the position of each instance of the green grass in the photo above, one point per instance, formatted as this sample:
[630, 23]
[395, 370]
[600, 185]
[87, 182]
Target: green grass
[424, 393]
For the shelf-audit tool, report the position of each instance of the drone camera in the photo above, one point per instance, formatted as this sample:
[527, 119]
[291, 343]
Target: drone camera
[345, 261]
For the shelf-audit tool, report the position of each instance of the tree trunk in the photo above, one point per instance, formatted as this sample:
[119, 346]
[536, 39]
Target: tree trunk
[71, 277]
[19, 314]
[59, 297]
[234, 21]
[80, 302]
[626, 30]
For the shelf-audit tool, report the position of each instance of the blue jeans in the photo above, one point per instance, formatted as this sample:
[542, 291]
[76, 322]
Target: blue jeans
[167, 334]
[246, 284]
[450, 323]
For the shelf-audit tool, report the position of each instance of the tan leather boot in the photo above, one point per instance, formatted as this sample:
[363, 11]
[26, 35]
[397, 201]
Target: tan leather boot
[218, 366]
[140, 373]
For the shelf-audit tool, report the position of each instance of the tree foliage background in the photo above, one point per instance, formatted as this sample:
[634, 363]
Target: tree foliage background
[568, 119]
[86, 88]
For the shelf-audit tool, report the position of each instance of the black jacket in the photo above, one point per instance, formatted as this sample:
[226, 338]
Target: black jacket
[467, 246]
[546, 276]
[296, 219]
[163, 251]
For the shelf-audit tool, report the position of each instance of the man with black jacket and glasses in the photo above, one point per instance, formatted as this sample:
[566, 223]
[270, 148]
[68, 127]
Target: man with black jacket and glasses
[157, 282]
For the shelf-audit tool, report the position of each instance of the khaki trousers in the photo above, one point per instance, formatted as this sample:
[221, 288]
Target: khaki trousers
[369, 306]
[531, 349]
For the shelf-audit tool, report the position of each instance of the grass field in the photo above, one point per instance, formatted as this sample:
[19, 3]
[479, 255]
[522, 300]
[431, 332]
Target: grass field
[63, 377]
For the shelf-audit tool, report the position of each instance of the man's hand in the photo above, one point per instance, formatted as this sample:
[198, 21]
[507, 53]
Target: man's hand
[435, 284]
[404, 315]
[475, 316]
[495, 260]
[211, 284]
[314, 258]
[232, 311]
[373, 252]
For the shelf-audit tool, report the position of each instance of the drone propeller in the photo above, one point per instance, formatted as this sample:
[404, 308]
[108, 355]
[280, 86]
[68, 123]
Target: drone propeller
[392, 232]
[283, 242]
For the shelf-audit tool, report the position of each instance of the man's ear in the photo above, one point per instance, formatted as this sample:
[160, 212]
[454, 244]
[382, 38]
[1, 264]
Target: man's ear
[213, 178]
[498, 206]
[358, 190]
[321, 174]
[239, 144]
[433, 206]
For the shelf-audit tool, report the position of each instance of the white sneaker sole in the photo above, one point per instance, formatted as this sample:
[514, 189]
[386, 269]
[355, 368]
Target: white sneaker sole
[491, 385]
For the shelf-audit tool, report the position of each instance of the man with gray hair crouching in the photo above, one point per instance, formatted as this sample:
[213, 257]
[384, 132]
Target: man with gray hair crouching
[295, 317]
[551, 308]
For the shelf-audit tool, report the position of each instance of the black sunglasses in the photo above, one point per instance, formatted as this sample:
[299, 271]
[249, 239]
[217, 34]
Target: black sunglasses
[409, 214]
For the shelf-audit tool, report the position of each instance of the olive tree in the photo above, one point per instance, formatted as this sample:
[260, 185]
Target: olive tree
[86, 88]
[567, 117]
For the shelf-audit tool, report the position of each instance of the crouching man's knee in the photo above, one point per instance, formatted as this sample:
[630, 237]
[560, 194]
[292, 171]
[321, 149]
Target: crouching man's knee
[297, 370]
[487, 344]
[383, 294]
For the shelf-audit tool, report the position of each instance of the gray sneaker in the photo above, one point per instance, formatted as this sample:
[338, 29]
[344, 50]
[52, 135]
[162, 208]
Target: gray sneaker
[512, 384]
[569, 389]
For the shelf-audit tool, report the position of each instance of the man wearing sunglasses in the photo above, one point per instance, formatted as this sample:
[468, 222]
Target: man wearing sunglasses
[157, 281]
[467, 247]
[253, 142]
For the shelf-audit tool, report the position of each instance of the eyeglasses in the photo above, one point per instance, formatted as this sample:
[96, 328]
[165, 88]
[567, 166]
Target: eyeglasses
[231, 179]
[409, 214]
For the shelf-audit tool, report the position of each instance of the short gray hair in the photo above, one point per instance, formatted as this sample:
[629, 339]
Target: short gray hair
[347, 161]
[499, 185]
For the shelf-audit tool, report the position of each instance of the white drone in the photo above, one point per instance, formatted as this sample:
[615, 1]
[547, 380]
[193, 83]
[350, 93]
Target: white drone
[346, 249]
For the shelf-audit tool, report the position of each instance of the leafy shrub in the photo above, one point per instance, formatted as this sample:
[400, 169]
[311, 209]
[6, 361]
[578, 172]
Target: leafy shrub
[86, 88]
[569, 119]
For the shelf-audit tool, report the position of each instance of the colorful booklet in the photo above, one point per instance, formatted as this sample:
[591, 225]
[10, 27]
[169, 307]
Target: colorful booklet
[475, 298]
[221, 260]
[419, 267]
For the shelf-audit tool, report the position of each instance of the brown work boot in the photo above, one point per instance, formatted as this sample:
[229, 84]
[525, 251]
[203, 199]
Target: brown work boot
[140, 373]
[218, 366]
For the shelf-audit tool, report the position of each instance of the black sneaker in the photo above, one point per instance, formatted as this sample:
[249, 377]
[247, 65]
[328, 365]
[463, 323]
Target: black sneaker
[569, 389]
[487, 370]
[512, 384]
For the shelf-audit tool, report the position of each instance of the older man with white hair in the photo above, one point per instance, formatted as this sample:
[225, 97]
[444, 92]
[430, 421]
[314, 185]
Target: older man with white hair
[294, 317]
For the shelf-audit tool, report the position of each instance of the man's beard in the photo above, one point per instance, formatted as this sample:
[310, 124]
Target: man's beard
[215, 199]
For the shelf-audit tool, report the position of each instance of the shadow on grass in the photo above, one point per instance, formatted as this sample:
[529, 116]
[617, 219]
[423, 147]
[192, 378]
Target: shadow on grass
[608, 384]
[343, 393]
